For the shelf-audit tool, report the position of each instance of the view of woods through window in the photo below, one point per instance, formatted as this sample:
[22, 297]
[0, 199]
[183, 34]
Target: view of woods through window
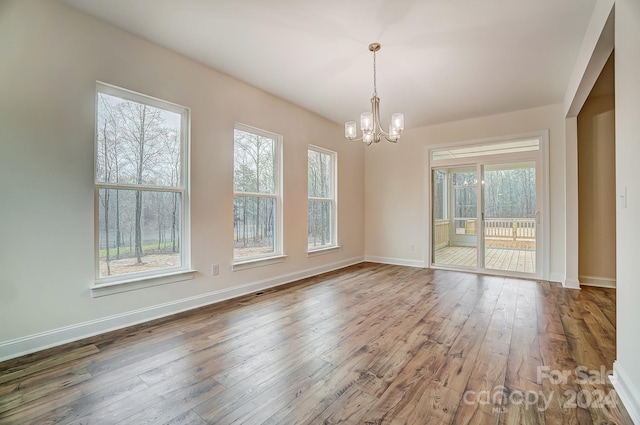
[508, 193]
[139, 186]
[256, 194]
[496, 212]
[321, 199]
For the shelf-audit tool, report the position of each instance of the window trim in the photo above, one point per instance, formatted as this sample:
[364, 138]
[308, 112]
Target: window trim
[131, 281]
[334, 246]
[542, 155]
[141, 283]
[277, 256]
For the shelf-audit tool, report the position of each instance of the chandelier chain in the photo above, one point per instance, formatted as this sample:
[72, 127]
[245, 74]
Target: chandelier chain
[375, 89]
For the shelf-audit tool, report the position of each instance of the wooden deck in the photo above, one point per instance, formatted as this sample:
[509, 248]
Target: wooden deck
[368, 344]
[508, 259]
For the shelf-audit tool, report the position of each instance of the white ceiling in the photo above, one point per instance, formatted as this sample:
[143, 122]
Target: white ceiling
[441, 60]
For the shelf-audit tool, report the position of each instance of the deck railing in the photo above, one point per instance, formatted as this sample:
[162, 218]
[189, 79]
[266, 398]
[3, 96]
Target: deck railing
[510, 228]
[441, 233]
[495, 228]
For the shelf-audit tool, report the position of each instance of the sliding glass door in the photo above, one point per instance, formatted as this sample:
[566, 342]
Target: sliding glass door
[485, 208]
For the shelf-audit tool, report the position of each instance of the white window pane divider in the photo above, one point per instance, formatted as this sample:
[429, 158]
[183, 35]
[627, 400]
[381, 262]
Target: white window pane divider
[139, 187]
[256, 195]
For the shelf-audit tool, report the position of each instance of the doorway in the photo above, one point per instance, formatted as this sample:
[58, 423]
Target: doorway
[487, 207]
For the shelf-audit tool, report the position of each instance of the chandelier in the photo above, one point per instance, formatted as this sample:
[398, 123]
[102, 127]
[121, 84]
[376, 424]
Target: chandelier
[370, 126]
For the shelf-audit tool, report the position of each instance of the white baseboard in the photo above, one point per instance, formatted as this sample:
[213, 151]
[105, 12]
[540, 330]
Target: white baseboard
[628, 393]
[556, 277]
[395, 261]
[40, 341]
[571, 283]
[602, 282]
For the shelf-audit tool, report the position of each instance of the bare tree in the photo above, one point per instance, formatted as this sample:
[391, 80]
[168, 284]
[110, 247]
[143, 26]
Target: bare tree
[142, 131]
[319, 209]
[104, 194]
[253, 175]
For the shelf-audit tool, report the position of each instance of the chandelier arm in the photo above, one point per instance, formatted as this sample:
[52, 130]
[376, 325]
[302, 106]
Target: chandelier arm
[375, 108]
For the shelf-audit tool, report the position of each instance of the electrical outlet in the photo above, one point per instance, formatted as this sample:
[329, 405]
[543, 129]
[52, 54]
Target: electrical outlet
[412, 247]
[215, 270]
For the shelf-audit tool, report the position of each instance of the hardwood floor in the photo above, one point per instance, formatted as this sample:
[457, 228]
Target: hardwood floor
[369, 344]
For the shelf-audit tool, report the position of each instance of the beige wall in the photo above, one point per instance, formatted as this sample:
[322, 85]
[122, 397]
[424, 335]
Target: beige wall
[396, 195]
[51, 59]
[596, 183]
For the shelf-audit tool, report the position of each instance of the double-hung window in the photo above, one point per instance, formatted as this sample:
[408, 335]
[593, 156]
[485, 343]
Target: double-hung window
[257, 203]
[141, 187]
[322, 206]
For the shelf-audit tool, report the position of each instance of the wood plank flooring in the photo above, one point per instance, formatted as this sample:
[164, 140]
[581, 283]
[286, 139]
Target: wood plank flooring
[509, 259]
[369, 344]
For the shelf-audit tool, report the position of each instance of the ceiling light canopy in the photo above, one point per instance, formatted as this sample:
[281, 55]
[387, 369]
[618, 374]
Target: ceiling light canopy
[370, 125]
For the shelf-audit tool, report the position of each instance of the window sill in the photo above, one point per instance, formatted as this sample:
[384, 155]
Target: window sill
[322, 251]
[257, 262]
[100, 290]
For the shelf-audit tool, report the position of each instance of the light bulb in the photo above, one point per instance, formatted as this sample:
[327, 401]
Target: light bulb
[350, 129]
[397, 121]
[393, 133]
[366, 121]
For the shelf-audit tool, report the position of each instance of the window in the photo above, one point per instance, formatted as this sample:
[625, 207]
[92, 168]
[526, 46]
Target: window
[141, 185]
[485, 149]
[439, 195]
[322, 229]
[464, 184]
[257, 202]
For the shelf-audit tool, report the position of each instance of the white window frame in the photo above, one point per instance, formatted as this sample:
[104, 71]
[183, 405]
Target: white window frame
[277, 256]
[127, 282]
[333, 199]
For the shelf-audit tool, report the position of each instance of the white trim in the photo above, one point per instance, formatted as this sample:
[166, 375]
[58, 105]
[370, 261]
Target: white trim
[257, 262]
[627, 392]
[395, 261]
[460, 269]
[324, 250]
[277, 194]
[542, 188]
[571, 283]
[40, 341]
[134, 96]
[140, 283]
[602, 282]
[556, 277]
[596, 47]
[333, 199]
[256, 195]
[183, 189]
[571, 216]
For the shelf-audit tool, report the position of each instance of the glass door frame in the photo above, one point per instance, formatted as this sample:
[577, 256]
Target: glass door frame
[451, 205]
[540, 157]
